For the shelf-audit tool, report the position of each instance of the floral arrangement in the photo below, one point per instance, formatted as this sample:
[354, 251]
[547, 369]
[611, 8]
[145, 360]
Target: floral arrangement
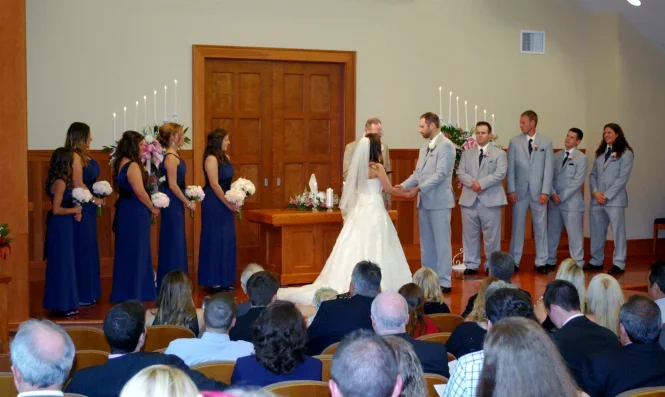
[101, 190]
[245, 185]
[307, 201]
[81, 195]
[194, 193]
[159, 200]
[5, 241]
[323, 294]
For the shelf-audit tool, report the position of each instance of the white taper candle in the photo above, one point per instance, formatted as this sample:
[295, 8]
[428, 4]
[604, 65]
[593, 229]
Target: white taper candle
[475, 115]
[466, 117]
[450, 106]
[493, 125]
[484, 114]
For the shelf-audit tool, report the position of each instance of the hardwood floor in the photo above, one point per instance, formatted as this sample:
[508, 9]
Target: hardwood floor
[632, 282]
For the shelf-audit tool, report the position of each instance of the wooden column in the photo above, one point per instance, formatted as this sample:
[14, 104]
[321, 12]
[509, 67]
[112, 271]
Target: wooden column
[14, 155]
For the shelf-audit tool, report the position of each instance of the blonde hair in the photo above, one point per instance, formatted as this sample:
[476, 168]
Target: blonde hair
[569, 270]
[428, 281]
[478, 312]
[604, 300]
[160, 381]
[409, 367]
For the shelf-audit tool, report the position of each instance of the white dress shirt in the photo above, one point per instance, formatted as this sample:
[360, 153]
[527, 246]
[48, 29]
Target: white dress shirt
[210, 347]
[464, 380]
[661, 303]
[49, 393]
[570, 318]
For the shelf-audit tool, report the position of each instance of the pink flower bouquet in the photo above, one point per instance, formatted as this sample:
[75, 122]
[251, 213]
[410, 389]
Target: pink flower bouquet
[194, 193]
[159, 200]
[236, 197]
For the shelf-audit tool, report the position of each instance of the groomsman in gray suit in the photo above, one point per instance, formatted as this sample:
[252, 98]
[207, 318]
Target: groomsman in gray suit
[608, 179]
[567, 202]
[529, 184]
[432, 183]
[481, 171]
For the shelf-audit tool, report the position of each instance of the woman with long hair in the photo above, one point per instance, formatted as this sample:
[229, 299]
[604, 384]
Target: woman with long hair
[429, 283]
[608, 179]
[419, 324]
[280, 337]
[522, 361]
[217, 251]
[60, 289]
[133, 277]
[175, 304]
[604, 299]
[172, 239]
[85, 171]
[468, 337]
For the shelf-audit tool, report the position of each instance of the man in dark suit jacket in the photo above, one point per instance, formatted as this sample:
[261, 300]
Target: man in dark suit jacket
[390, 314]
[640, 363]
[577, 337]
[262, 291]
[124, 327]
[336, 318]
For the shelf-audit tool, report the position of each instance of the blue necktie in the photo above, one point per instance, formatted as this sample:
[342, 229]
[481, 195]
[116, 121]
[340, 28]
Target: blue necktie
[530, 146]
[480, 158]
[565, 158]
[608, 153]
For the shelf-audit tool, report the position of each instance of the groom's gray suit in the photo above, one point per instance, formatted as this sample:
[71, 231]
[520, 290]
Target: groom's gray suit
[481, 211]
[529, 176]
[433, 175]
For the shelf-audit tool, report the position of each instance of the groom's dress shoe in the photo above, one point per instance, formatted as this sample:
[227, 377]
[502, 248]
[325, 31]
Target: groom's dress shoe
[542, 269]
[470, 271]
[446, 290]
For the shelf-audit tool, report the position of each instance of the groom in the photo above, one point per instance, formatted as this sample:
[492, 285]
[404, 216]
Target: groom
[432, 183]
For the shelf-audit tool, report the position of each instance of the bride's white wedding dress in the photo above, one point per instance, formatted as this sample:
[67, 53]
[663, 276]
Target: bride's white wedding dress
[368, 234]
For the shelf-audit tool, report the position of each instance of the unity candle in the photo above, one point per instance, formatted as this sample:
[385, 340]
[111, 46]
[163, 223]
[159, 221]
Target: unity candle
[330, 201]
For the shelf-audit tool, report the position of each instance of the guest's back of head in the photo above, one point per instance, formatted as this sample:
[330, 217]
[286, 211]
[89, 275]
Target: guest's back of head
[640, 320]
[429, 283]
[247, 273]
[604, 300]
[42, 356]
[521, 360]
[501, 265]
[657, 280]
[280, 336]
[478, 312]
[124, 327]
[160, 381]
[261, 288]
[364, 365]
[220, 311]
[506, 302]
[569, 270]
[366, 279]
[410, 368]
[561, 301]
[175, 303]
[414, 297]
[390, 313]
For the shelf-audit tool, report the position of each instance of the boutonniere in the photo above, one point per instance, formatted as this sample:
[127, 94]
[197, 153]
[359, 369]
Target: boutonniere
[614, 154]
[486, 154]
[431, 145]
[535, 147]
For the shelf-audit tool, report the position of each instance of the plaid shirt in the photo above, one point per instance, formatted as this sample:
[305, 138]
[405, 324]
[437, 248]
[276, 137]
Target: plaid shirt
[464, 380]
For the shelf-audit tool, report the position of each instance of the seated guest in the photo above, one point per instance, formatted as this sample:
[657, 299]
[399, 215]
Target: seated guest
[390, 315]
[419, 324]
[175, 304]
[262, 291]
[604, 300]
[338, 317]
[468, 337]
[124, 327]
[657, 286]
[501, 302]
[252, 268]
[500, 265]
[42, 355]
[641, 361]
[214, 344]
[429, 283]
[364, 365]
[160, 381]
[280, 335]
[413, 378]
[520, 359]
[577, 337]
[569, 270]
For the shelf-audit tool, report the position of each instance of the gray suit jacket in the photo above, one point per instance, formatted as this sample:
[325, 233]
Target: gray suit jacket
[348, 155]
[434, 175]
[489, 175]
[568, 180]
[530, 172]
[610, 178]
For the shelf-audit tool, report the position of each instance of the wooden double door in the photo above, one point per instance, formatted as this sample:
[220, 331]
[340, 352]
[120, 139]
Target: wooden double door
[285, 122]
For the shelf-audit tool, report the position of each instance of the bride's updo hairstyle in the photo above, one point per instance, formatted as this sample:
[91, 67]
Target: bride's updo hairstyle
[375, 155]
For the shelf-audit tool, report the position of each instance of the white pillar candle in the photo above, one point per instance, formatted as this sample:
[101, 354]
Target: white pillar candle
[466, 117]
[124, 118]
[145, 110]
[440, 105]
[136, 117]
[450, 106]
[175, 97]
[475, 115]
[457, 112]
[154, 105]
[329, 198]
[166, 118]
[114, 128]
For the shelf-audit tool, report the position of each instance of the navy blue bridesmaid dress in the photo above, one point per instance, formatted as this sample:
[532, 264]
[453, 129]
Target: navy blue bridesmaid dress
[60, 292]
[172, 240]
[217, 252]
[133, 277]
[85, 243]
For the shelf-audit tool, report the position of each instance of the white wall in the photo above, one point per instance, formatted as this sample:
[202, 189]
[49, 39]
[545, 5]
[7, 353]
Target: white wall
[88, 58]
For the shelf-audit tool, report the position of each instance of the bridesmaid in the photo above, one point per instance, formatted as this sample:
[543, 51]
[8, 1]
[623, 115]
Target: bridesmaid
[60, 292]
[608, 179]
[217, 252]
[84, 174]
[133, 277]
[172, 240]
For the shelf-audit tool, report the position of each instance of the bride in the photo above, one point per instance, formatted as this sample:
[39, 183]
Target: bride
[368, 232]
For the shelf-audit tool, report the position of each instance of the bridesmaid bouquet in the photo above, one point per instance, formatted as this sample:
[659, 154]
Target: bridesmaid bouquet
[159, 200]
[101, 190]
[81, 196]
[245, 185]
[194, 193]
[237, 197]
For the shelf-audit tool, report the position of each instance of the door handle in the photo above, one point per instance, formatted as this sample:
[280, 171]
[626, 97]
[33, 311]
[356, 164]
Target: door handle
[278, 181]
[265, 182]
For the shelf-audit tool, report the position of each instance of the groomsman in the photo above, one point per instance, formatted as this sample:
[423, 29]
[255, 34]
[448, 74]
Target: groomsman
[481, 171]
[566, 206]
[530, 167]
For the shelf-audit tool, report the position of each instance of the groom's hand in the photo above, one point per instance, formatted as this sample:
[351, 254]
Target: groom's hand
[413, 192]
[399, 187]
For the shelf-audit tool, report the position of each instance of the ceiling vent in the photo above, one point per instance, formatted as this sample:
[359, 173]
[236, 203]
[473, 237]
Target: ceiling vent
[532, 42]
